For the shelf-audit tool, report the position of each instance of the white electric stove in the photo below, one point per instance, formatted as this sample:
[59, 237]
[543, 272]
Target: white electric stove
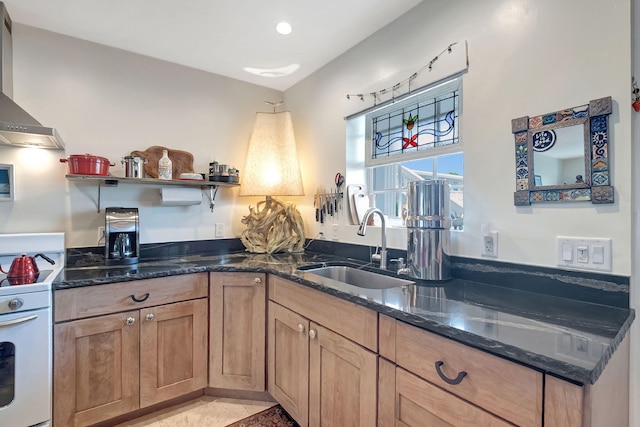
[26, 330]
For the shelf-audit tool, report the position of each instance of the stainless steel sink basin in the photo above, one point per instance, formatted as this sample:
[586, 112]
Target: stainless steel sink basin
[360, 278]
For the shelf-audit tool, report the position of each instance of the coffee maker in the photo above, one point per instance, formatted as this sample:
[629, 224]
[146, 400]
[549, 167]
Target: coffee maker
[122, 236]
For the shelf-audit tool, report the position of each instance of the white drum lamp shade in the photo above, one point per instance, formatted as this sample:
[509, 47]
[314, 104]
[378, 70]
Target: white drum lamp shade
[271, 167]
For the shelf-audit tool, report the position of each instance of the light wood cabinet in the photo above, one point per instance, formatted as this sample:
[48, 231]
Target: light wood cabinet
[237, 331]
[318, 375]
[342, 381]
[112, 364]
[496, 386]
[348, 319]
[289, 361]
[96, 369]
[417, 403]
[173, 350]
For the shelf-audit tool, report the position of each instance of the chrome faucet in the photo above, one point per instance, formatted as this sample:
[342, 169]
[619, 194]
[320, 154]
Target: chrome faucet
[363, 230]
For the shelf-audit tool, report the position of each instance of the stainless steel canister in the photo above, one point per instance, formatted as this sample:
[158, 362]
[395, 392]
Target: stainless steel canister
[428, 204]
[133, 166]
[428, 230]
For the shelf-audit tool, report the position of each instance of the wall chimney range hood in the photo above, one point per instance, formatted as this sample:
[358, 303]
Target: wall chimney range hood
[17, 127]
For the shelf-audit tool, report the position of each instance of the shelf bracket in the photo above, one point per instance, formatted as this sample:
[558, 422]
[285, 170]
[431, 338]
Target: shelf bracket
[213, 191]
[99, 193]
[108, 183]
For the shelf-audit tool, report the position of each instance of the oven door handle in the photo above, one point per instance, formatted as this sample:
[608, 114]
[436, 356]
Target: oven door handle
[17, 321]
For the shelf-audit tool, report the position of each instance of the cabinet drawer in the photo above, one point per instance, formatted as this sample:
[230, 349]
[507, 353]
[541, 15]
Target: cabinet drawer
[350, 320]
[95, 300]
[504, 388]
[419, 403]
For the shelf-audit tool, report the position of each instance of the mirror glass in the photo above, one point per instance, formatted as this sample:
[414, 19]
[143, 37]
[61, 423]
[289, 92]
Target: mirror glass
[558, 156]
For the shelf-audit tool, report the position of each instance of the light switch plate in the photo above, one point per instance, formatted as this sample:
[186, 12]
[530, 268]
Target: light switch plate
[584, 253]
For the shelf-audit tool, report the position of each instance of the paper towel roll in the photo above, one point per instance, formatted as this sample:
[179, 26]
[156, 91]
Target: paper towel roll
[180, 196]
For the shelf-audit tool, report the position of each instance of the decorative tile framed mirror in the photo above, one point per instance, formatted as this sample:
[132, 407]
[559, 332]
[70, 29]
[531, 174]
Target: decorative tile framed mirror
[564, 156]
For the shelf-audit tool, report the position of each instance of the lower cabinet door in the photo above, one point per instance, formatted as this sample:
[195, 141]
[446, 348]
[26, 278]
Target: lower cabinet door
[420, 403]
[236, 330]
[289, 361]
[342, 381]
[173, 350]
[96, 369]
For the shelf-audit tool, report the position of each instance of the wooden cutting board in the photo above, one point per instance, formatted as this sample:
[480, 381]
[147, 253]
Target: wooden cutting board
[182, 161]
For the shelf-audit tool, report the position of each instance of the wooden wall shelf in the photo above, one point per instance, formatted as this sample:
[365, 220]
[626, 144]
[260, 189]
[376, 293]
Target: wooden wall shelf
[113, 181]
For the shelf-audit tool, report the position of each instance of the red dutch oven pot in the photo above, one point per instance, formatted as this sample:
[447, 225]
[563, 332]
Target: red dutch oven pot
[86, 164]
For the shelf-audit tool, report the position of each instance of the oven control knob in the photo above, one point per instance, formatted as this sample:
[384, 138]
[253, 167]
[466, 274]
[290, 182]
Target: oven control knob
[15, 304]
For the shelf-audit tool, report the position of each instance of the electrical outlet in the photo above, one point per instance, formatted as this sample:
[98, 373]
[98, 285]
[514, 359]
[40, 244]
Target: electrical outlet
[334, 229]
[100, 235]
[490, 244]
[219, 230]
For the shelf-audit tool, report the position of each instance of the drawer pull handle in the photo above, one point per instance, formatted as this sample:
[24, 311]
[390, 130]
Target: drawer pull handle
[143, 299]
[130, 321]
[457, 380]
[149, 317]
[312, 334]
[300, 328]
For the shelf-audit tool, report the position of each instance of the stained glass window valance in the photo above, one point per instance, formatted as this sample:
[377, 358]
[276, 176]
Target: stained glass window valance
[408, 129]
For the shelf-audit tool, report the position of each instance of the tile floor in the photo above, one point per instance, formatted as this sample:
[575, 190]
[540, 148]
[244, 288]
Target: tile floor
[206, 411]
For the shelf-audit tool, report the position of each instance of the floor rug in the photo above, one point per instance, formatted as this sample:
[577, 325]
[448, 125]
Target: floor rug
[272, 417]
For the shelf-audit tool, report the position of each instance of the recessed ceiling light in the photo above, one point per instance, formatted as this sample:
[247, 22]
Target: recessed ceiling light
[273, 72]
[283, 28]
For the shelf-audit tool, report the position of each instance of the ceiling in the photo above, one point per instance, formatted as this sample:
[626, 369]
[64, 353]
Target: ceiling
[219, 36]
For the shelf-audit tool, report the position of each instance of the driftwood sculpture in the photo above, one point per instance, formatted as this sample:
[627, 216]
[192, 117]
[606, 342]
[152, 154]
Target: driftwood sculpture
[273, 226]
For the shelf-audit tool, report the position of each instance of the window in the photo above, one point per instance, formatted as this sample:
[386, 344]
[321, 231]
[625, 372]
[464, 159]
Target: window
[415, 139]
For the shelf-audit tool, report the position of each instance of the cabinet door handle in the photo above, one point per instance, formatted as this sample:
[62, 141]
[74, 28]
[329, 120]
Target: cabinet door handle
[457, 380]
[149, 317]
[312, 334]
[257, 280]
[143, 299]
[130, 321]
[301, 328]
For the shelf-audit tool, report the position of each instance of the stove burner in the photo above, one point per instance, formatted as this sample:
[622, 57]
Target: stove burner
[24, 280]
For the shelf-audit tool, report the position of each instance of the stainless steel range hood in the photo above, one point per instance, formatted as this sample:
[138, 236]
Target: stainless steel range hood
[17, 127]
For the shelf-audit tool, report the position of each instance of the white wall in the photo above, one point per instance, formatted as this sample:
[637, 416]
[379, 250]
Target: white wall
[108, 102]
[525, 58]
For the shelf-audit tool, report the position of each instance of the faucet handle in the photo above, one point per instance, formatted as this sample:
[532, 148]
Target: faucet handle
[400, 261]
[402, 267]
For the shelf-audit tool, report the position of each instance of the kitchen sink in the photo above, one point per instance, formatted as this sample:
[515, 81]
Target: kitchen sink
[356, 277]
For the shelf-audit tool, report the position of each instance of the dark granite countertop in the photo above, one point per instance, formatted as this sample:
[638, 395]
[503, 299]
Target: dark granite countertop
[568, 338]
